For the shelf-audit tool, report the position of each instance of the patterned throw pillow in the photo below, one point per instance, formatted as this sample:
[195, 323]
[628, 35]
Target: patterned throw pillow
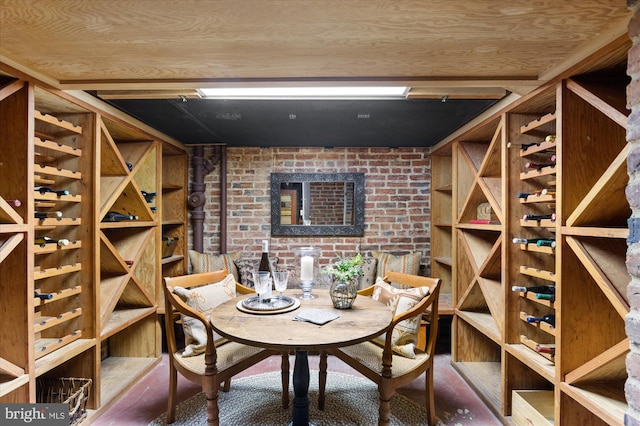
[201, 262]
[369, 270]
[408, 263]
[405, 334]
[246, 268]
[203, 299]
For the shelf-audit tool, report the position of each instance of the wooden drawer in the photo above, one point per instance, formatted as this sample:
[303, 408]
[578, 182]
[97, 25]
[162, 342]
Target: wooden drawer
[532, 407]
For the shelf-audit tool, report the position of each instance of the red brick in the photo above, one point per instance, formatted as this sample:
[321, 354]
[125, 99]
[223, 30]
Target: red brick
[402, 225]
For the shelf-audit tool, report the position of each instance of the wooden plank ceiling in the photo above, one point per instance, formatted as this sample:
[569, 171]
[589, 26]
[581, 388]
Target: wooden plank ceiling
[168, 48]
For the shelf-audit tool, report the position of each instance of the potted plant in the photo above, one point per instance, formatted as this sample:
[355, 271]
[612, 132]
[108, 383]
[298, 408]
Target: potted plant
[345, 275]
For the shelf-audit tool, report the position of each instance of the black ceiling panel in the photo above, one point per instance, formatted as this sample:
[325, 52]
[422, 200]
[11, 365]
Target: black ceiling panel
[324, 123]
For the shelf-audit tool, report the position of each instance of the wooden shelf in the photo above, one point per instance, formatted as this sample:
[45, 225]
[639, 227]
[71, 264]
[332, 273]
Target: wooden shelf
[544, 146]
[172, 259]
[53, 359]
[484, 378]
[53, 171]
[118, 374]
[99, 301]
[606, 401]
[541, 365]
[483, 322]
[53, 248]
[60, 294]
[53, 272]
[536, 124]
[57, 125]
[444, 260]
[58, 147]
[10, 384]
[45, 346]
[587, 179]
[122, 318]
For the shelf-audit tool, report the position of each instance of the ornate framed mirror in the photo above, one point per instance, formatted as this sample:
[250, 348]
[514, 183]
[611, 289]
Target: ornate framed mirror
[317, 204]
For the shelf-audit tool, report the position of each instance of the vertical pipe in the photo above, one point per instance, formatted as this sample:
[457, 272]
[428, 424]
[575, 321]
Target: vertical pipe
[196, 198]
[201, 168]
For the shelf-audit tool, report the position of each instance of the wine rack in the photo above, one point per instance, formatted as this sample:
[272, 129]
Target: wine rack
[83, 301]
[558, 154]
[16, 267]
[441, 229]
[62, 193]
[477, 247]
[174, 215]
[129, 255]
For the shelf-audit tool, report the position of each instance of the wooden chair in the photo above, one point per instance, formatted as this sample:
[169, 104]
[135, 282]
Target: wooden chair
[228, 358]
[382, 366]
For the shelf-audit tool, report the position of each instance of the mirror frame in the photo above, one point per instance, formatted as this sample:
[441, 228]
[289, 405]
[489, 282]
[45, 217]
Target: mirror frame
[357, 229]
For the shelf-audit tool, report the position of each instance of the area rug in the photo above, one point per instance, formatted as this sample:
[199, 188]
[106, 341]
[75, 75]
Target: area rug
[256, 401]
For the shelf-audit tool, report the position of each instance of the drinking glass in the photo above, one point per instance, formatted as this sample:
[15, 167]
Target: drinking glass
[280, 280]
[262, 284]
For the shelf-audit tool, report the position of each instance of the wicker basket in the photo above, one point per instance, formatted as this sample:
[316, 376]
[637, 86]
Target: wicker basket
[72, 391]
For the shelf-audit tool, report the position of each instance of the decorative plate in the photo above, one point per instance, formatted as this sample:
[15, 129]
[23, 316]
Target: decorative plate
[252, 305]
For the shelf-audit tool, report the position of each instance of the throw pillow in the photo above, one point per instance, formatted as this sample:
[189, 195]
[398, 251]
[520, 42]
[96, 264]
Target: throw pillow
[405, 333]
[247, 267]
[407, 263]
[201, 262]
[203, 299]
[369, 271]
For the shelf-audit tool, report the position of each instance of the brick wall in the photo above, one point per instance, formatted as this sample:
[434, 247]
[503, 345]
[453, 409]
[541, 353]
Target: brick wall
[397, 209]
[633, 195]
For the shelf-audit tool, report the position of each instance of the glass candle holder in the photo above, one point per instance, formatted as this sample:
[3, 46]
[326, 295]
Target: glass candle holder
[306, 270]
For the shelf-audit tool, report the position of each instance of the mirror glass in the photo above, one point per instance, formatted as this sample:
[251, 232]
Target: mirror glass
[317, 203]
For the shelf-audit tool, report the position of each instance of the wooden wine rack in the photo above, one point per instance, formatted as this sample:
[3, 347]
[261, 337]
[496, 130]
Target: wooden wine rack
[100, 321]
[494, 347]
[441, 202]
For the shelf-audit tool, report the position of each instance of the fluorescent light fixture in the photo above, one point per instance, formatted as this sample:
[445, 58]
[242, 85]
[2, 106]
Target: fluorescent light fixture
[344, 92]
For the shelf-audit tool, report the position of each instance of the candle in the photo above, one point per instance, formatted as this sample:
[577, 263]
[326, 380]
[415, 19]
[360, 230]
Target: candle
[306, 268]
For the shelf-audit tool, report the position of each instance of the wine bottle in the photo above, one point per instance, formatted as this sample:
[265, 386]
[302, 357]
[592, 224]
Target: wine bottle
[128, 262]
[546, 348]
[538, 289]
[129, 165]
[118, 217]
[45, 215]
[537, 192]
[265, 265]
[43, 296]
[525, 240]
[542, 296]
[539, 217]
[14, 203]
[149, 196]
[549, 319]
[537, 166]
[550, 138]
[42, 241]
[171, 241]
[546, 242]
[44, 189]
[522, 146]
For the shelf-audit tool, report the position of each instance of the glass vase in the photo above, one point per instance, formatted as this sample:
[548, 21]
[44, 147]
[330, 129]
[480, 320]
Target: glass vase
[343, 293]
[306, 270]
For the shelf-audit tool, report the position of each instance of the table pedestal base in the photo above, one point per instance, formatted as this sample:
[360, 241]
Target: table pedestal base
[300, 416]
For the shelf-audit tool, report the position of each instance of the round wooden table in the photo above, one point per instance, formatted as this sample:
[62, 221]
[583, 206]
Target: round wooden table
[366, 319]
